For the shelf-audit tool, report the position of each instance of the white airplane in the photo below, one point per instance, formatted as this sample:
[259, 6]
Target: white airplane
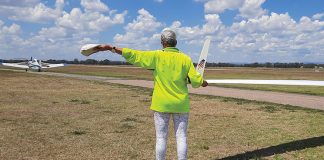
[33, 65]
[203, 59]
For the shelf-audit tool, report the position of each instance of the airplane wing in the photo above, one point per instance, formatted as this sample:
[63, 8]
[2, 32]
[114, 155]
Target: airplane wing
[273, 82]
[17, 65]
[53, 65]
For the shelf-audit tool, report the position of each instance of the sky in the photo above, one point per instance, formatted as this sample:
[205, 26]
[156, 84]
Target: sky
[242, 31]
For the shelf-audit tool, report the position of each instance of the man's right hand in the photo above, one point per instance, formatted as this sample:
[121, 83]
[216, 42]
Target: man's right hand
[204, 84]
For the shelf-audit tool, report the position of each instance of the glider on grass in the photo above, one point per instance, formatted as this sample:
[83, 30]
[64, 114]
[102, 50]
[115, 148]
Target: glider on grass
[33, 65]
[203, 59]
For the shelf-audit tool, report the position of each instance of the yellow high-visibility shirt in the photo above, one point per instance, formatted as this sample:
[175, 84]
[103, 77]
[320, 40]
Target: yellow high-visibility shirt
[171, 70]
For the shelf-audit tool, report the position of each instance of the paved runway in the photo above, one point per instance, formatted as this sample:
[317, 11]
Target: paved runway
[308, 101]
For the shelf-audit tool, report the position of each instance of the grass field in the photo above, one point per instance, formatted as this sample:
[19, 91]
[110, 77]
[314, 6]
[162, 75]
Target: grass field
[216, 73]
[60, 118]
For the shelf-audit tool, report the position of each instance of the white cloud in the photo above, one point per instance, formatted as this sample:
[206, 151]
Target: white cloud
[213, 26]
[9, 39]
[59, 4]
[13, 29]
[144, 22]
[137, 31]
[21, 3]
[264, 24]
[160, 1]
[92, 21]
[38, 13]
[318, 16]
[94, 5]
[308, 25]
[144, 31]
[61, 40]
[219, 6]
[274, 38]
[247, 8]
[252, 9]
[258, 36]
[53, 32]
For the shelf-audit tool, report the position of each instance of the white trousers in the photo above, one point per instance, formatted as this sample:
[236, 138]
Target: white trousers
[180, 122]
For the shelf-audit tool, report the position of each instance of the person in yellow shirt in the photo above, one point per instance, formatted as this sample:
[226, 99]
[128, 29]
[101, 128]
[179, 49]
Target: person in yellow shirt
[172, 70]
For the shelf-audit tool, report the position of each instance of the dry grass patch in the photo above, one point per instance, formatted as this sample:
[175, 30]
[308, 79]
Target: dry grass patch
[45, 117]
[129, 72]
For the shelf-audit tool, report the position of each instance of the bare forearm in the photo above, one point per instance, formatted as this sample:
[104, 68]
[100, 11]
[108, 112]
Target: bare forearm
[107, 47]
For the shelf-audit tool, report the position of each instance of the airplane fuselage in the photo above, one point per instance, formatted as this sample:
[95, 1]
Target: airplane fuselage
[34, 65]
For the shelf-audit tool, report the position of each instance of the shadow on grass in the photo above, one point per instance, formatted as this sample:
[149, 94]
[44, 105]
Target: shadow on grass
[279, 149]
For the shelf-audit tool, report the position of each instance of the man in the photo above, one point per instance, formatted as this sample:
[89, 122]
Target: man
[170, 97]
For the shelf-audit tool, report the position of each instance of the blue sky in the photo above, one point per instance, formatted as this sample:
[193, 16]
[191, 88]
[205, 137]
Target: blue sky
[241, 30]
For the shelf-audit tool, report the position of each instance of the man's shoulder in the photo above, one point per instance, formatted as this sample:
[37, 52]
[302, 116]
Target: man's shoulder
[185, 56]
[181, 54]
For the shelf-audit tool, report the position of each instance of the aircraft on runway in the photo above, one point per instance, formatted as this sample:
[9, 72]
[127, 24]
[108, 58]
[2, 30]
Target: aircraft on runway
[203, 59]
[33, 65]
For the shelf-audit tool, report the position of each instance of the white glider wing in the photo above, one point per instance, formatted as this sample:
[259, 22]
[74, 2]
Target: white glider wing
[53, 65]
[17, 65]
[203, 57]
[269, 82]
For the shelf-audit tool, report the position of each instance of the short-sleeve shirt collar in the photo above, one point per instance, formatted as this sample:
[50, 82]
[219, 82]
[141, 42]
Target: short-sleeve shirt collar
[171, 49]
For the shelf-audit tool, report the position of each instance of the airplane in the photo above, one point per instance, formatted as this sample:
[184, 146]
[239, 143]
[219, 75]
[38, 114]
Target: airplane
[33, 65]
[203, 59]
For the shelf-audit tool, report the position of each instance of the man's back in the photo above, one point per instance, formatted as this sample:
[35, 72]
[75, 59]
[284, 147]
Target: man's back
[171, 70]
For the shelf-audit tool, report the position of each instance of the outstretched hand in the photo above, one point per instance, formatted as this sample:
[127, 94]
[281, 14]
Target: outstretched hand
[204, 84]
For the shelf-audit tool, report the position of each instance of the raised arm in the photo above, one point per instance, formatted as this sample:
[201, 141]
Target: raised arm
[107, 47]
[144, 59]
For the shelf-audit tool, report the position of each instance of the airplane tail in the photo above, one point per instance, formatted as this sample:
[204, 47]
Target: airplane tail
[203, 57]
[40, 63]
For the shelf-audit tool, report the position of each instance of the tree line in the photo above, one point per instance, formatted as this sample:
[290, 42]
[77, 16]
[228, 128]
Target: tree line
[88, 62]
[220, 64]
[268, 65]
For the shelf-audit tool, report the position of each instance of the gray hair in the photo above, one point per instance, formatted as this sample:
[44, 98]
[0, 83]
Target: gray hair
[169, 38]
